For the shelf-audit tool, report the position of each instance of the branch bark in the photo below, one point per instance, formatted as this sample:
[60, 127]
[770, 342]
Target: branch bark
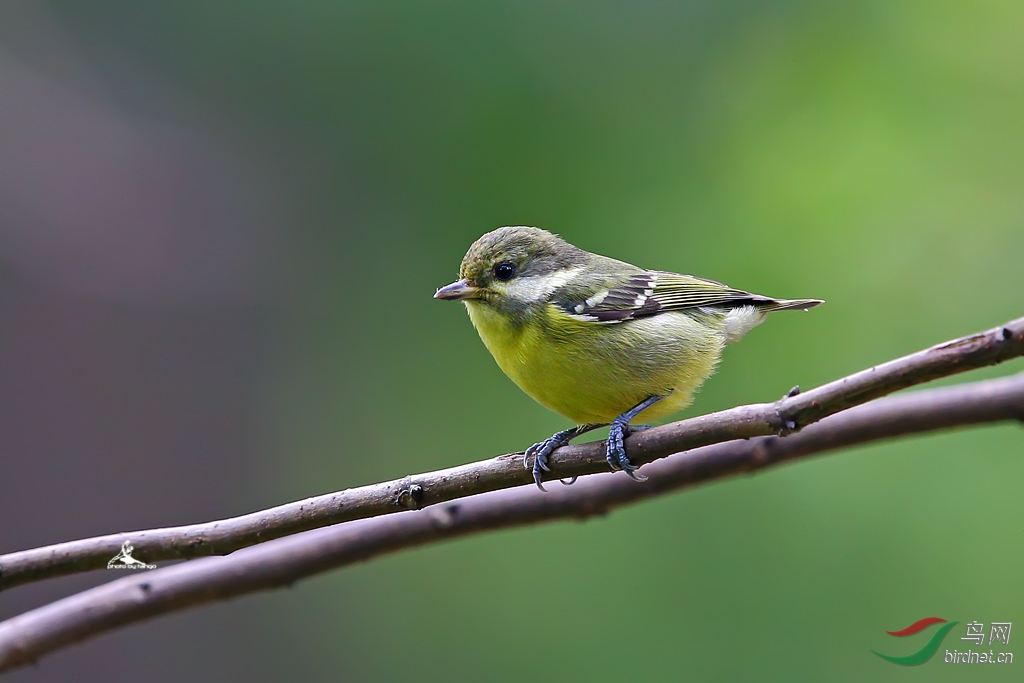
[784, 416]
[278, 563]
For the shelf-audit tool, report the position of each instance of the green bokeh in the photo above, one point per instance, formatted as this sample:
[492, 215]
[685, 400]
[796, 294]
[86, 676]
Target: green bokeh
[869, 154]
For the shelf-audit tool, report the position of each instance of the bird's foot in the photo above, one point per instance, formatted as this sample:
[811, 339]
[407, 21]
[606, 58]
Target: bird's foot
[617, 433]
[540, 452]
[616, 450]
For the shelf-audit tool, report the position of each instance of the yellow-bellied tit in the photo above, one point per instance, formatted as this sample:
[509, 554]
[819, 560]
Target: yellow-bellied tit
[596, 340]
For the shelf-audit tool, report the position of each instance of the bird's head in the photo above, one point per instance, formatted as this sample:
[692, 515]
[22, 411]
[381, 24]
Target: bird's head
[514, 268]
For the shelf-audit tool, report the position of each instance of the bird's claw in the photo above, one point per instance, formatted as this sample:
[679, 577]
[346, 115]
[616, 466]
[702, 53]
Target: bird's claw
[618, 430]
[616, 450]
[540, 452]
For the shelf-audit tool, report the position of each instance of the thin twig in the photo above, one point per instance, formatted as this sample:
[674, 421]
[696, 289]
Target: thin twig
[281, 562]
[786, 415]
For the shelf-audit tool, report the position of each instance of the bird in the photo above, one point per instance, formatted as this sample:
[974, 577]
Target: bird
[597, 340]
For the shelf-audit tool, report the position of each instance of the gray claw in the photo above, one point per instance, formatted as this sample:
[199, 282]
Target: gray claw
[540, 452]
[617, 432]
[616, 451]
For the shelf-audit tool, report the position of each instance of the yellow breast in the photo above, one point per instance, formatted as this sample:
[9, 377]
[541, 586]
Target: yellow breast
[590, 372]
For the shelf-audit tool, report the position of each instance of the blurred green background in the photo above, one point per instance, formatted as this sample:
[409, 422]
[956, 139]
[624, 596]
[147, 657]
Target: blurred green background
[222, 224]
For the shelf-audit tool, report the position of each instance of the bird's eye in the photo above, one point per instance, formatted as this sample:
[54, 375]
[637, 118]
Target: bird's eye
[504, 271]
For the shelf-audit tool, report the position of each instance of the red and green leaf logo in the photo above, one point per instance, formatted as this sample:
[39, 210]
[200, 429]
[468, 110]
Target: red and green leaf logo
[926, 652]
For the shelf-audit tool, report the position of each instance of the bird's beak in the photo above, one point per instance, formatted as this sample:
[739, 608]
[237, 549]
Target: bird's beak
[457, 290]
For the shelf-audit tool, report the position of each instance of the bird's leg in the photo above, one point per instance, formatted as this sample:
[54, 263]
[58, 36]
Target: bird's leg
[619, 430]
[540, 451]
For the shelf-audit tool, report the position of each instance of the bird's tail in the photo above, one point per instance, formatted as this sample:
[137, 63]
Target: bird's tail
[793, 304]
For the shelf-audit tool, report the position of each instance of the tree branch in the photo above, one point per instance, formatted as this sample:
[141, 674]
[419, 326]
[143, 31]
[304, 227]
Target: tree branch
[784, 416]
[281, 562]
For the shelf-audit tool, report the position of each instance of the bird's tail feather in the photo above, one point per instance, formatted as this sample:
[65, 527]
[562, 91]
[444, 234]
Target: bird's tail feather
[794, 304]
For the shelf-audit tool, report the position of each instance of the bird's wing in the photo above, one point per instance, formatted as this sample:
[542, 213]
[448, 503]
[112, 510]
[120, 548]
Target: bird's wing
[651, 292]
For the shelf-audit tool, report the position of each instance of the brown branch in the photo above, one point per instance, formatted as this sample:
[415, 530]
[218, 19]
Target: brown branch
[783, 416]
[281, 562]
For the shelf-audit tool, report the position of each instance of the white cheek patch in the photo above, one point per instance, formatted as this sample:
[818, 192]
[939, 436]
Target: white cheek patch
[539, 287]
